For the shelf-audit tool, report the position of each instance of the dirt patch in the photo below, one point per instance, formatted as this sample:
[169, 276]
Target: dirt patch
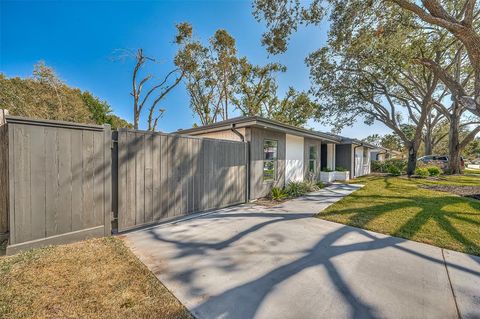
[267, 202]
[465, 191]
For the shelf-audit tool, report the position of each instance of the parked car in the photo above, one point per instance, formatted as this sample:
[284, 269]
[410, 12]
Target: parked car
[441, 160]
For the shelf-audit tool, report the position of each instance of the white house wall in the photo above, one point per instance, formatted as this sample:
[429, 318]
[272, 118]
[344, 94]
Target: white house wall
[361, 167]
[331, 156]
[294, 149]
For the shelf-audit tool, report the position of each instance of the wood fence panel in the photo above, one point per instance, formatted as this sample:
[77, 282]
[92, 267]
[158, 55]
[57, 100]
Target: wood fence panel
[59, 183]
[169, 176]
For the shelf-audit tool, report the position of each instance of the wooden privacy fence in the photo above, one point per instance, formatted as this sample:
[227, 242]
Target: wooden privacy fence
[59, 182]
[161, 176]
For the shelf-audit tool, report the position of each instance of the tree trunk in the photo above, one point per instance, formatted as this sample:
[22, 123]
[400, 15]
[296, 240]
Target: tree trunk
[412, 158]
[136, 118]
[454, 143]
[427, 140]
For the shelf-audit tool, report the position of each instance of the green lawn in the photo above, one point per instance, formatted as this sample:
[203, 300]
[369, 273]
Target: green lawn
[399, 207]
[472, 171]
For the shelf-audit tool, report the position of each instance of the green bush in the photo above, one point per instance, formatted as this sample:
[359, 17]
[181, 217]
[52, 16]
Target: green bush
[277, 194]
[434, 171]
[326, 169]
[320, 185]
[389, 166]
[295, 189]
[340, 169]
[421, 171]
[378, 166]
[394, 171]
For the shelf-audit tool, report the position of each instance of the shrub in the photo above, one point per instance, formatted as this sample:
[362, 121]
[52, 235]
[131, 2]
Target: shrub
[326, 169]
[434, 171]
[401, 164]
[340, 169]
[378, 166]
[277, 194]
[320, 185]
[310, 185]
[394, 171]
[421, 171]
[295, 189]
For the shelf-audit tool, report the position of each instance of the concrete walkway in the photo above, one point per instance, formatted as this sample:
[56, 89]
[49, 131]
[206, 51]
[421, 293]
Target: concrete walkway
[253, 262]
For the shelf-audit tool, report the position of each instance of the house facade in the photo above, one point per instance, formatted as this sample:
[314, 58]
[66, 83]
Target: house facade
[281, 153]
[381, 154]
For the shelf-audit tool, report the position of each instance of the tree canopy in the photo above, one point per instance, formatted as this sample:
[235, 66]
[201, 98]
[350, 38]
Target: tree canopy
[220, 82]
[46, 96]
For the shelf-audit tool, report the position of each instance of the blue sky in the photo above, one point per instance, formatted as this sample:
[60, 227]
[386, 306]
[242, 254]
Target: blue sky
[80, 40]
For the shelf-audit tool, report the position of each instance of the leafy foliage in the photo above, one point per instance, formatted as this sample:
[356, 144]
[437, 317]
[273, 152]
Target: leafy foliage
[46, 96]
[278, 194]
[421, 172]
[297, 189]
[384, 166]
[434, 171]
[394, 171]
[220, 82]
[388, 61]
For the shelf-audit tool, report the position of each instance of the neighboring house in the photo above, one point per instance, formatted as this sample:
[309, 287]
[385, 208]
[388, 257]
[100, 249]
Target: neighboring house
[382, 154]
[281, 153]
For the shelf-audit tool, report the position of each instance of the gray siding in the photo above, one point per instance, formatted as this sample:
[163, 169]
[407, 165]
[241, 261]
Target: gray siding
[256, 136]
[307, 143]
[162, 177]
[343, 157]
[59, 182]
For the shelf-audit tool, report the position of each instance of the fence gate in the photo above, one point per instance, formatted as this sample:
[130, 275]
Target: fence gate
[59, 182]
[161, 176]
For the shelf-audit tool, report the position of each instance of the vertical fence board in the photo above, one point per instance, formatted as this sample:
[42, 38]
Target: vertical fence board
[98, 182]
[107, 180]
[64, 181]
[148, 178]
[176, 176]
[51, 183]
[87, 172]
[37, 181]
[76, 137]
[22, 207]
[56, 181]
[130, 173]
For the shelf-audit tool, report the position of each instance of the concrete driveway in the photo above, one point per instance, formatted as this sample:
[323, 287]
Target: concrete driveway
[254, 262]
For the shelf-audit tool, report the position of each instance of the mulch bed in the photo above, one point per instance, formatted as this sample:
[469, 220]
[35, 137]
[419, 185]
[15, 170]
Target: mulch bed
[465, 191]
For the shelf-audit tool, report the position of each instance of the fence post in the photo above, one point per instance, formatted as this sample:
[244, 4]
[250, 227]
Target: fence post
[247, 171]
[3, 116]
[4, 183]
[108, 179]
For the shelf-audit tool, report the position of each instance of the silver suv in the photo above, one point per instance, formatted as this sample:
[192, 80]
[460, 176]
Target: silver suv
[439, 159]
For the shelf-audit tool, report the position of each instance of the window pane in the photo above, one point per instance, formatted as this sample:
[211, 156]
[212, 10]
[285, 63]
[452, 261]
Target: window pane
[311, 166]
[270, 150]
[269, 170]
[313, 152]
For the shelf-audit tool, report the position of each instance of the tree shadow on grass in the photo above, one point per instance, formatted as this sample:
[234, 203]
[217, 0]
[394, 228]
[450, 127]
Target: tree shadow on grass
[429, 209]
